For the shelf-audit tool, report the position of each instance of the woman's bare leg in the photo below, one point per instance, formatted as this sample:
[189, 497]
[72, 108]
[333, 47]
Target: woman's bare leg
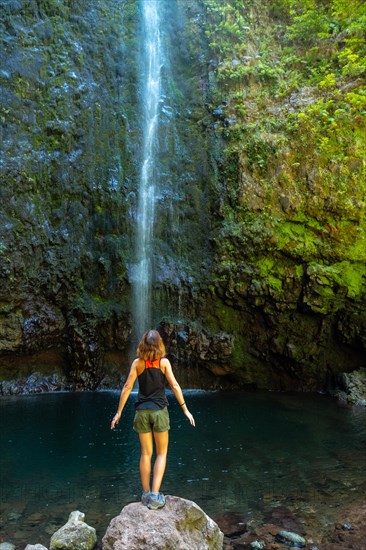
[146, 442]
[161, 444]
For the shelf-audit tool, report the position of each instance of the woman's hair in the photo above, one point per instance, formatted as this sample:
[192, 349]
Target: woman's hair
[151, 346]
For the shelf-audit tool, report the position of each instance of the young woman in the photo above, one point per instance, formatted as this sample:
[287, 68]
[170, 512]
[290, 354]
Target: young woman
[151, 421]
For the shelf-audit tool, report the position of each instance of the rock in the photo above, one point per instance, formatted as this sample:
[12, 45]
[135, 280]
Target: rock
[10, 332]
[323, 293]
[7, 546]
[265, 534]
[74, 535]
[285, 202]
[35, 547]
[231, 524]
[230, 121]
[198, 347]
[35, 383]
[257, 545]
[218, 113]
[294, 538]
[343, 539]
[42, 327]
[86, 354]
[353, 385]
[14, 516]
[180, 525]
[284, 518]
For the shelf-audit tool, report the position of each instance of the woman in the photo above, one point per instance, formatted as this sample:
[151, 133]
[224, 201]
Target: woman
[151, 421]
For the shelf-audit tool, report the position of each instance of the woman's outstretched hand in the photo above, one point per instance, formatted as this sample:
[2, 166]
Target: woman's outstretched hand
[190, 417]
[115, 420]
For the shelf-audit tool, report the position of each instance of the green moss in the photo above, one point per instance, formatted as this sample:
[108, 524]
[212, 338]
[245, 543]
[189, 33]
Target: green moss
[353, 243]
[347, 275]
[298, 240]
[270, 274]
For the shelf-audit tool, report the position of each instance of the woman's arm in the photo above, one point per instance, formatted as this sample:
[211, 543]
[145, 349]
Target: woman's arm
[125, 393]
[176, 389]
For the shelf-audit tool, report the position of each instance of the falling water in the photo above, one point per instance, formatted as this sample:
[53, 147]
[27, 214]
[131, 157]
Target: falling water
[152, 59]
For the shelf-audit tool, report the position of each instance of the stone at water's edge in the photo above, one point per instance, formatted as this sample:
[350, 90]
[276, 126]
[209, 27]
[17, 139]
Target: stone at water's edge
[74, 535]
[180, 525]
[35, 547]
[353, 386]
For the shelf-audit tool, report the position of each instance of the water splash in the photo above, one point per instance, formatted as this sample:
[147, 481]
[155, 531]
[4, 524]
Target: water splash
[152, 58]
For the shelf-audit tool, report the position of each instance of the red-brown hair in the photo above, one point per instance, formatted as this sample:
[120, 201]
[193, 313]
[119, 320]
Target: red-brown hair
[151, 346]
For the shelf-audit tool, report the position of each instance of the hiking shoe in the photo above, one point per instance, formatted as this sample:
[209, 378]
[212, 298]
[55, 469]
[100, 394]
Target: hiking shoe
[156, 501]
[145, 498]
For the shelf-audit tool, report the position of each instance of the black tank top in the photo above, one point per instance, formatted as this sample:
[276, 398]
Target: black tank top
[151, 387]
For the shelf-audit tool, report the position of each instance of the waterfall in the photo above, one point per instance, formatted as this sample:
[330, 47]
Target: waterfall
[151, 96]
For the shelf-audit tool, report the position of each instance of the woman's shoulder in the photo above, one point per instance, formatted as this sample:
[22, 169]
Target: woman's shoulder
[138, 365]
[165, 364]
[137, 362]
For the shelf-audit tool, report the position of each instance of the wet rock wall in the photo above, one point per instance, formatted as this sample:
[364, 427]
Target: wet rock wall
[259, 277]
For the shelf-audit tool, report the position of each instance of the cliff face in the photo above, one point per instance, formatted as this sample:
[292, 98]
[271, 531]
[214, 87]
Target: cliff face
[67, 93]
[260, 225]
[290, 231]
[72, 123]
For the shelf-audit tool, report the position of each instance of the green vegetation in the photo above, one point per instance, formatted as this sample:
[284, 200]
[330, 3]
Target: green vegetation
[291, 75]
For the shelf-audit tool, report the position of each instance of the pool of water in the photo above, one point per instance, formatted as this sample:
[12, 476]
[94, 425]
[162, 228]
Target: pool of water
[249, 453]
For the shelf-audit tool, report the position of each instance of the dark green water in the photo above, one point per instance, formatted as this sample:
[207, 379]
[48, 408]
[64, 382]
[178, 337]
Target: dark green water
[250, 452]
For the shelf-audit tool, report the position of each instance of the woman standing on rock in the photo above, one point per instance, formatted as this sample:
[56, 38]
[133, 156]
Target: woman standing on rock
[152, 369]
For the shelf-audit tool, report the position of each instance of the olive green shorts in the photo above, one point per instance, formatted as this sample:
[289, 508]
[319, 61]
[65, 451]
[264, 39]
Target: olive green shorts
[147, 420]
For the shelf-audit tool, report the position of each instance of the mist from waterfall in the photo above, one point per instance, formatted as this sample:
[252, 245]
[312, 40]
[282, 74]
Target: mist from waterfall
[151, 96]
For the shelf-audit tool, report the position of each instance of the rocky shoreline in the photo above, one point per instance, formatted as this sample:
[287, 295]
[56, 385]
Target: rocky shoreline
[350, 388]
[280, 531]
[349, 532]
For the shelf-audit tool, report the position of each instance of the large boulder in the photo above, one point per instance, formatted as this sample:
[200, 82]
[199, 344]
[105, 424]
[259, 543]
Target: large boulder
[74, 535]
[180, 525]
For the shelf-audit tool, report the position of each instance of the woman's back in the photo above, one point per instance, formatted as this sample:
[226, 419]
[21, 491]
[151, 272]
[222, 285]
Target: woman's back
[152, 381]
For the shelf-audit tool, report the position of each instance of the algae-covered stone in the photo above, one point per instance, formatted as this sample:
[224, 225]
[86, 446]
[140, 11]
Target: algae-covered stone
[294, 538]
[74, 535]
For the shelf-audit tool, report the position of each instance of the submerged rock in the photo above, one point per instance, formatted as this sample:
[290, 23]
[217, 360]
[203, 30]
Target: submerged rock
[7, 546]
[74, 535]
[285, 519]
[231, 524]
[181, 525]
[296, 540]
[343, 538]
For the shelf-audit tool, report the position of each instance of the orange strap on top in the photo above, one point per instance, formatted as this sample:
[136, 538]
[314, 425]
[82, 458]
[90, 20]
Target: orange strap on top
[152, 364]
